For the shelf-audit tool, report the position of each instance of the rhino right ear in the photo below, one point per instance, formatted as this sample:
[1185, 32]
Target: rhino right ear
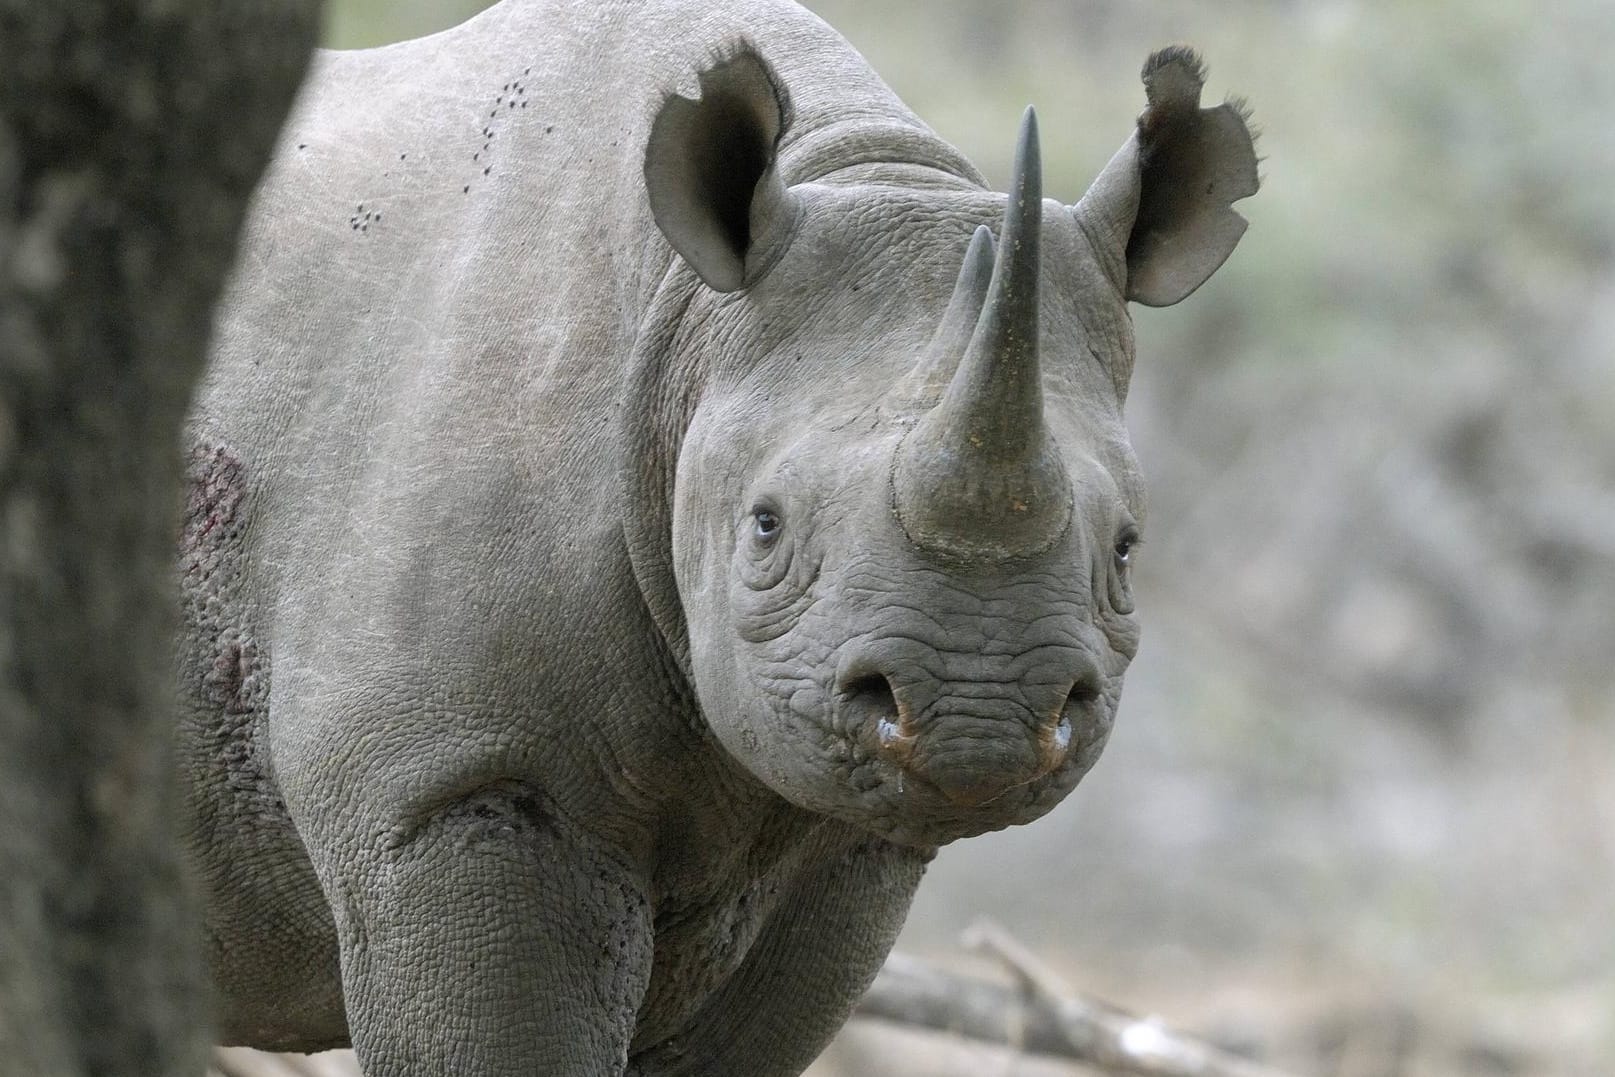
[712, 176]
[1160, 214]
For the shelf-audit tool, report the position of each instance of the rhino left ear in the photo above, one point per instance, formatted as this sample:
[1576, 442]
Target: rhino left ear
[1161, 211]
[710, 171]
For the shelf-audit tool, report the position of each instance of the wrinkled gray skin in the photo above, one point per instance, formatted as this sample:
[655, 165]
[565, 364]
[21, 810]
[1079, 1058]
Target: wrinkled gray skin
[634, 520]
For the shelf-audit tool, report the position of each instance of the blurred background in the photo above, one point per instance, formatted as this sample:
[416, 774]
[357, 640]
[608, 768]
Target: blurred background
[1358, 813]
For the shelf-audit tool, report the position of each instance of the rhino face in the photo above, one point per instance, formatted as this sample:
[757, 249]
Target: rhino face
[906, 508]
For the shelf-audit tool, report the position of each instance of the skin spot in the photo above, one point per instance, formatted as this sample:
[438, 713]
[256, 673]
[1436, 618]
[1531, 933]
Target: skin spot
[229, 674]
[466, 189]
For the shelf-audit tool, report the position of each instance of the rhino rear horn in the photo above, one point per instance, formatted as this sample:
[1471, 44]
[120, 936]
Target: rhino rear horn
[922, 387]
[1160, 214]
[710, 171]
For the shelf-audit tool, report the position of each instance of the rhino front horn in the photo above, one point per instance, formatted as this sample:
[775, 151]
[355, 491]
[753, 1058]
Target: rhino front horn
[979, 478]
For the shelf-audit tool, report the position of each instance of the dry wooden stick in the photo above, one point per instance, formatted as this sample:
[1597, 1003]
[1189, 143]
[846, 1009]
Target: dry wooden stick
[1040, 1014]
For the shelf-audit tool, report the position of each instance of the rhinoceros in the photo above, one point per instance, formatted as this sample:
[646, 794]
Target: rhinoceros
[646, 496]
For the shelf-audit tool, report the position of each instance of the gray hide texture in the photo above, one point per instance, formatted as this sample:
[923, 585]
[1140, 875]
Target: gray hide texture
[646, 496]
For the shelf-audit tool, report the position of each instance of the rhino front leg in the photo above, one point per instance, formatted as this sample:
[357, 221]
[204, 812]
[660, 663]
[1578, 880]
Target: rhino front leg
[491, 940]
[811, 964]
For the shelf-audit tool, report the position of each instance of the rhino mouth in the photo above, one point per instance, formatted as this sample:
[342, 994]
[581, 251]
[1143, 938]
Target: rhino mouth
[932, 778]
[908, 808]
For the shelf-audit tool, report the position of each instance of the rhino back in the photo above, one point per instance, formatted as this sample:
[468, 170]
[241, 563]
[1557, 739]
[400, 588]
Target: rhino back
[449, 264]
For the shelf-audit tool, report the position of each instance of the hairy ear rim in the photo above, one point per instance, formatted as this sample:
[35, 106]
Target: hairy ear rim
[1191, 173]
[1160, 214]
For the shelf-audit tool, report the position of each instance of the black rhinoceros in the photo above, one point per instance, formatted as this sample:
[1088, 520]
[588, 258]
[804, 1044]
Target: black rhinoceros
[638, 512]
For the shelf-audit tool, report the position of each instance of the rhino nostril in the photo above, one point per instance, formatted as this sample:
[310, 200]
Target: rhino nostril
[1084, 692]
[869, 700]
[871, 693]
[1086, 689]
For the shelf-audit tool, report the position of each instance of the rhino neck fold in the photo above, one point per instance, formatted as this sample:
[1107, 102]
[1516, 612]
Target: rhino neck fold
[659, 396]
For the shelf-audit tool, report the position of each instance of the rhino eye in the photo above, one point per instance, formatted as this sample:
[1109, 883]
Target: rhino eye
[1125, 545]
[1120, 580]
[765, 525]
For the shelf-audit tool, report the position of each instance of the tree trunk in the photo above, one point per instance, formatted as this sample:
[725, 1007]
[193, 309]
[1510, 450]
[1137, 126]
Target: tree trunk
[131, 135]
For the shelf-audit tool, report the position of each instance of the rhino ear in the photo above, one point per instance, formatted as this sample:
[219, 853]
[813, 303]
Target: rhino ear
[1161, 211]
[712, 176]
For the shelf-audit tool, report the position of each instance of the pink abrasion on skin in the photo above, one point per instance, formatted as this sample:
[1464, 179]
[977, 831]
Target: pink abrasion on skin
[215, 487]
[236, 681]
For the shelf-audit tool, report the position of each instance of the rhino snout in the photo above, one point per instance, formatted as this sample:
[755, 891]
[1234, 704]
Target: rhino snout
[973, 740]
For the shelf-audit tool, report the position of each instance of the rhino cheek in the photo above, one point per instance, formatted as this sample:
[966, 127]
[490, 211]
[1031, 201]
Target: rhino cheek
[783, 687]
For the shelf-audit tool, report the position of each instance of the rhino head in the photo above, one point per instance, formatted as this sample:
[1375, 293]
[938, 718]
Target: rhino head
[905, 508]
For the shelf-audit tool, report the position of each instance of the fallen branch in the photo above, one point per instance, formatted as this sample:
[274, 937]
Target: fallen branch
[1040, 1014]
